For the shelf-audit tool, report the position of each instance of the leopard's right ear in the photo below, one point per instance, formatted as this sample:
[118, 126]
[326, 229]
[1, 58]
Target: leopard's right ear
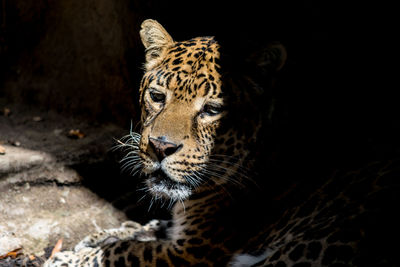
[156, 40]
[271, 58]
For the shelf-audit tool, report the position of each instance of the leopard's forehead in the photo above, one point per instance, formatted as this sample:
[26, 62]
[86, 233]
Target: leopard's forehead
[189, 69]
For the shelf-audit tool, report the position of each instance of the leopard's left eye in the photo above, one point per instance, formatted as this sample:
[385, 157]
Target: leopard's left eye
[212, 110]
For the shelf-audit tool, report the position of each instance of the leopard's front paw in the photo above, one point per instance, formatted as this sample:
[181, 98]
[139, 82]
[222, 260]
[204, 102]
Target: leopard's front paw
[148, 231]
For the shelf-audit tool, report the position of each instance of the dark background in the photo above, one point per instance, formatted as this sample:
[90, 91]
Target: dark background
[335, 103]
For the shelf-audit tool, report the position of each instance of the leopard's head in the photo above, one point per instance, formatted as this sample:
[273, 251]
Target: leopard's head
[195, 129]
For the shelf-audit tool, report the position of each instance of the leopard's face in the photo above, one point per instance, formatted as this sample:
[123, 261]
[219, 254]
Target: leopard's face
[184, 109]
[182, 106]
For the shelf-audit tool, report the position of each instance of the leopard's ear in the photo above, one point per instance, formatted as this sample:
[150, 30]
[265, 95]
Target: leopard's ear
[156, 40]
[271, 58]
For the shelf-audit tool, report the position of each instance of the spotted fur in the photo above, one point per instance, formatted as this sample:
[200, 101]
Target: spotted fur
[200, 121]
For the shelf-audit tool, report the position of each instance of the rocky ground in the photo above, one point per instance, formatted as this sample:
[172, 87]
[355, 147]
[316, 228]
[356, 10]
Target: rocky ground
[56, 184]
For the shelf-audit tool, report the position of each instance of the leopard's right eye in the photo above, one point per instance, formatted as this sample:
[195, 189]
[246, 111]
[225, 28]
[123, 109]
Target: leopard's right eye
[211, 109]
[157, 97]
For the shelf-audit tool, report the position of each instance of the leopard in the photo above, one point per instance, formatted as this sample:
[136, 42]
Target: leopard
[202, 118]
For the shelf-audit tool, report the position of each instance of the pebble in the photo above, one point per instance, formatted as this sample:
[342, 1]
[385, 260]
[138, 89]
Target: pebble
[15, 143]
[37, 119]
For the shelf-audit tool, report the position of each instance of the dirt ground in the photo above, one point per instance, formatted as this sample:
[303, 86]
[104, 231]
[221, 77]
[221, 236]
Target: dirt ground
[50, 182]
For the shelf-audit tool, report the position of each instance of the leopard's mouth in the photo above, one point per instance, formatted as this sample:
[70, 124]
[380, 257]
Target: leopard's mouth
[160, 185]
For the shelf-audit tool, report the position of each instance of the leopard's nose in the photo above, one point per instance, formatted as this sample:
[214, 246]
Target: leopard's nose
[163, 148]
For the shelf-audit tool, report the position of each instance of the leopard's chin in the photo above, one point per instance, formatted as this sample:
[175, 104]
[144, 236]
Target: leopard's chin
[161, 186]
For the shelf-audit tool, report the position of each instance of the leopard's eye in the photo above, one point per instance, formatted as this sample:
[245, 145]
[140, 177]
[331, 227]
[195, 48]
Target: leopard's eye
[212, 110]
[157, 97]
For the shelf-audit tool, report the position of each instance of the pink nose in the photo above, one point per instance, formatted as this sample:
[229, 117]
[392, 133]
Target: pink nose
[163, 148]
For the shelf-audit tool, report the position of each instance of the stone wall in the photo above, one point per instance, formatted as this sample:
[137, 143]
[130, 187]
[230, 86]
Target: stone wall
[76, 57]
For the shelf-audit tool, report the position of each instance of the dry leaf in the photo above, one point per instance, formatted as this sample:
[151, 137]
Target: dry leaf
[32, 257]
[13, 254]
[76, 134]
[6, 111]
[2, 150]
[57, 247]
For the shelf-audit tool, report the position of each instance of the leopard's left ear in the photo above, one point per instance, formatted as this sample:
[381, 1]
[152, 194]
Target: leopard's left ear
[156, 40]
[271, 58]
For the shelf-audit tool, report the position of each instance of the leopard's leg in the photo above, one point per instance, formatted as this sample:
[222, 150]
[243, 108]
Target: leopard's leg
[129, 250]
[129, 230]
[135, 253]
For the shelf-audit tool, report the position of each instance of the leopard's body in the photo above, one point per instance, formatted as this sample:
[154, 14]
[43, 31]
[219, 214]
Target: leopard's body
[200, 124]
